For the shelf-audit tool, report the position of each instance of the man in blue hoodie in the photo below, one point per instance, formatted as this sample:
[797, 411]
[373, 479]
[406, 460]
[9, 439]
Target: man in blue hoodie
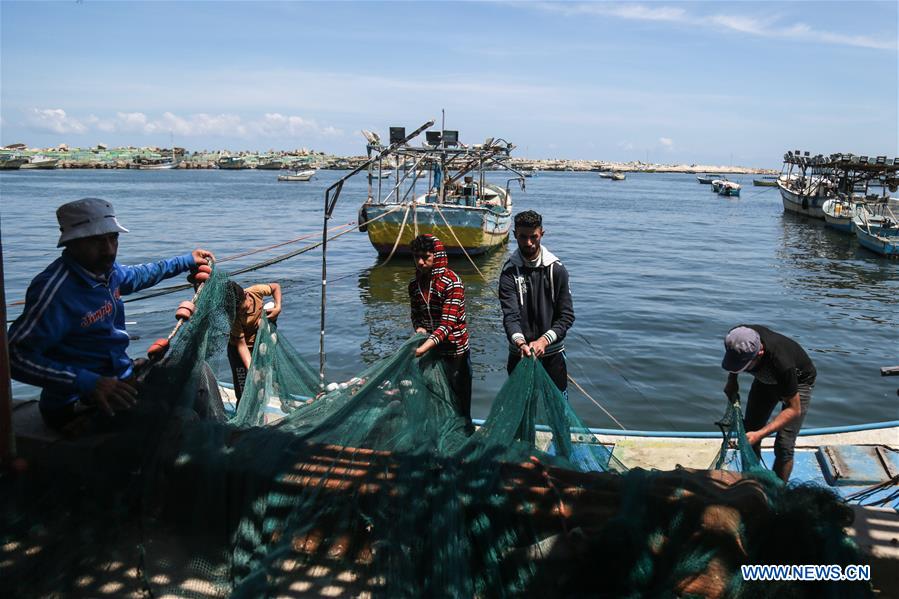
[71, 340]
[536, 301]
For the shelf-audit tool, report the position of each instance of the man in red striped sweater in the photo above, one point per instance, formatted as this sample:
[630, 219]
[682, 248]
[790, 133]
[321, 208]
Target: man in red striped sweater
[438, 310]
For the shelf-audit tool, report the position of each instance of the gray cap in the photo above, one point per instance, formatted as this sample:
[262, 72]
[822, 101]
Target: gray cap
[85, 218]
[741, 345]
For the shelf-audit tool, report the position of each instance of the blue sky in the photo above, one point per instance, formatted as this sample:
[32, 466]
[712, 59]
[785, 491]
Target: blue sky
[669, 81]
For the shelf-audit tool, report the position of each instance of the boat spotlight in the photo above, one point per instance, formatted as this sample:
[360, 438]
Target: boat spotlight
[397, 134]
[451, 138]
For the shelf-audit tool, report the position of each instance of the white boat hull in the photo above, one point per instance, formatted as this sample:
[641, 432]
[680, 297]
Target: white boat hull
[811, 204]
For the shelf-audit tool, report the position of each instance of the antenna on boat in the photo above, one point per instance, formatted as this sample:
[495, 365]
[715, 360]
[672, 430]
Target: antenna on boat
[331, 196]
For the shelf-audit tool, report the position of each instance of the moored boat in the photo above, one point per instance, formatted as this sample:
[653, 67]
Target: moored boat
[765, 182]
[459, 205]
[270, 164]
[231, 163]
[41, 162]
[298, 176]
[150, 165]
[876, 227]
[618, 177]
[838, 214]
[705, 179]
[729, 188]
[11, 162]
[805, 190]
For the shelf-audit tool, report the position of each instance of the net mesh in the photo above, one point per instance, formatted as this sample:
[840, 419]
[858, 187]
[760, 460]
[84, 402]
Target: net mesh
[375, 488]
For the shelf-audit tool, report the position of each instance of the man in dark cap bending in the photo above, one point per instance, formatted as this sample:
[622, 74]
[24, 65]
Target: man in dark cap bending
[783, 373]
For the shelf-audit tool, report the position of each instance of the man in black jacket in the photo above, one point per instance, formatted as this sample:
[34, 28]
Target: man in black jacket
[536, 301]
[783, 374]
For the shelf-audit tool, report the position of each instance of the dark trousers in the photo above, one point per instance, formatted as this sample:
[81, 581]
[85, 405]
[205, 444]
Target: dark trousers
[554, 365]
[458, 373]
[759, 407]
[238, 371]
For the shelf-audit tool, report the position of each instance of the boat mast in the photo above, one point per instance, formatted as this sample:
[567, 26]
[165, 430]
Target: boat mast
[332, 193]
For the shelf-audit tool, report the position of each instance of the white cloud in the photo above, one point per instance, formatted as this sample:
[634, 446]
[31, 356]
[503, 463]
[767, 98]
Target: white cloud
[626, 145]
[54, 120]
[764, 27]
[623, 11]
[278, 125]
[667, 142]
[270, 125]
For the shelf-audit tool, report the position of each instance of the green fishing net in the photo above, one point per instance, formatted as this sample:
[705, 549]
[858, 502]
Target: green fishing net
[375, 488]
[736, 454]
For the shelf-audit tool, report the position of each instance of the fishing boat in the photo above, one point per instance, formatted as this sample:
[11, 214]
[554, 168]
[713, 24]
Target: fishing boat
[153, 165]
[705, 179]
[838, 213]
[11, 162]
[270, 164]
[232, 163]
[380, 174]
[805, 184]
[618, 177]
[765, 182]
[41, 162]
[605, 174]
[305, 175]
[454, 201]
[729, 188]
[717, 183]
[876, 227]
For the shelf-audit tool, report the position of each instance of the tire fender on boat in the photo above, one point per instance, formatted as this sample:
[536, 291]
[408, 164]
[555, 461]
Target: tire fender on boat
[363, 219]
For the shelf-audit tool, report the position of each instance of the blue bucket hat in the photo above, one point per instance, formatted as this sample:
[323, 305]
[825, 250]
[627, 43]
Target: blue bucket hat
[741, 346]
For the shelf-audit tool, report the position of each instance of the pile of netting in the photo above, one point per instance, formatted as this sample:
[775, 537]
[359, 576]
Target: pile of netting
[376, 489]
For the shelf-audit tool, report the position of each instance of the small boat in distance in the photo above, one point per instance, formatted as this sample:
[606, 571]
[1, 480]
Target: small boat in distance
[705, 179]
[729, 188]
[41, 162]
[269, 164]
[376, 174]
[231, 163]
[298, 176]
[717, 183]
[765, 182]
[10, 162]
[618, 177]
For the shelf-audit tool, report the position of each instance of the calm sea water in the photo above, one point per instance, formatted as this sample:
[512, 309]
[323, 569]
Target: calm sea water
[660, 269]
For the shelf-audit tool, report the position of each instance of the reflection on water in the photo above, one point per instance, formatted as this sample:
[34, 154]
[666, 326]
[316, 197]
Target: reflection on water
[825, 265]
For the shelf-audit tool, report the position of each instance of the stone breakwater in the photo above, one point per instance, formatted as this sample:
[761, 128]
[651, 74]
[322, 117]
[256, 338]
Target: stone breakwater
[123, 158]
[635, 167]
